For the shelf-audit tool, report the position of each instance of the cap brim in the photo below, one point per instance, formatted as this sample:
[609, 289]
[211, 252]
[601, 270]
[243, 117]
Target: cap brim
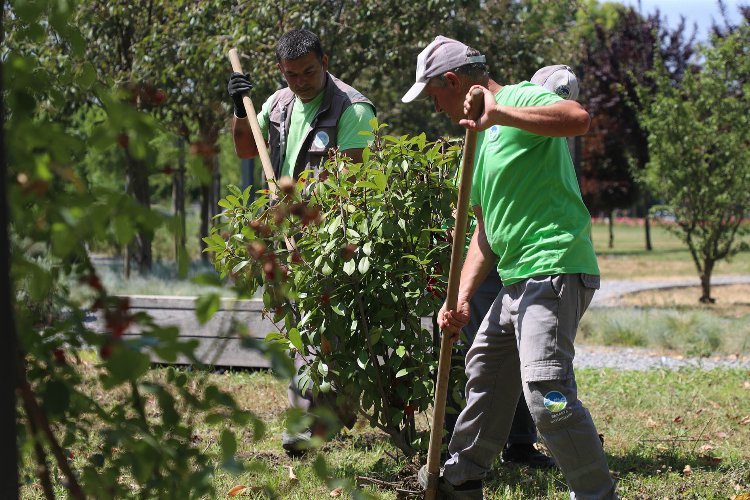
[415, 92]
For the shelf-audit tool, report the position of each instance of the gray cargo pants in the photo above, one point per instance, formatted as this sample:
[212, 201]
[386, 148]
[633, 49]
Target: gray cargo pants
[526, 340]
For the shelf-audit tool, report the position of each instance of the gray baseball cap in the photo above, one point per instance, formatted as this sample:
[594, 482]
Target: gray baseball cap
[559, 79]
[441, 55]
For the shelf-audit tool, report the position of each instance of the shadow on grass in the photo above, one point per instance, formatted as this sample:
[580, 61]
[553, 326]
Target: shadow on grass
[655, 254]
[518, 481]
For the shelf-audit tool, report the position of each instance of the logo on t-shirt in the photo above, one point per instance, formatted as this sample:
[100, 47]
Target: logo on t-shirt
[321, 140]
[493, 132]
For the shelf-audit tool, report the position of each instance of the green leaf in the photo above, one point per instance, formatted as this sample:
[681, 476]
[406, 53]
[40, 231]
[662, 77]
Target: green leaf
[334, 225]
[327, 270]
[375, 335]
[364, 265]
[349, 267]
[240, 266]
[126, 364]
[206, 306]
[296, 339]
[379, 179]
[210, 279]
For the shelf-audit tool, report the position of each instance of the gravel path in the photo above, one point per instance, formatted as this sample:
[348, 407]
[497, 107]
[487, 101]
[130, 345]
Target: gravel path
[611, 290]
[636, 358]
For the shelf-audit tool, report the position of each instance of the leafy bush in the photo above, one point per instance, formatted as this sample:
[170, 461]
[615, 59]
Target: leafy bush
[369, 260]
[137, 441]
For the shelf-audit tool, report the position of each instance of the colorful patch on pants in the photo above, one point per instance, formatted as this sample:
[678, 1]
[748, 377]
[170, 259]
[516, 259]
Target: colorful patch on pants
[555, 402]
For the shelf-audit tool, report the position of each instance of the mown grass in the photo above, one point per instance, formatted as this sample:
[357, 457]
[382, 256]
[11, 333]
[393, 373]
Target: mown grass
[655, 423]
[628, 259]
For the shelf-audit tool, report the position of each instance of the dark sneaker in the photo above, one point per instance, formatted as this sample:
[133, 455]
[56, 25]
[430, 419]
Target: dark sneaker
[470, 490]
[297, 444]
[527, 454]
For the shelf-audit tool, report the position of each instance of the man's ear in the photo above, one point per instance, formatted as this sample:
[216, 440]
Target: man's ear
[452, 80]
[324, 62]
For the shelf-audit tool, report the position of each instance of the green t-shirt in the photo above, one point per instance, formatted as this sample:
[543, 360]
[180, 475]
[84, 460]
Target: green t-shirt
[354, 119]
[525, 184]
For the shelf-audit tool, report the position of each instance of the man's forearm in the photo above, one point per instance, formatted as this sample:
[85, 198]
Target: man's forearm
[562, 119]
[478, 263]
[244, 142]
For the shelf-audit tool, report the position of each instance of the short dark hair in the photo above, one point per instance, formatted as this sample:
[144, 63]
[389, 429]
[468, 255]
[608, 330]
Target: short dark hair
[297, 43]
[473, 71]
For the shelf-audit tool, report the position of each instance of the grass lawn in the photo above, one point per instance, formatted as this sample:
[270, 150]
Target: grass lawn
[680, 434]
[628, 259]
[686, 436]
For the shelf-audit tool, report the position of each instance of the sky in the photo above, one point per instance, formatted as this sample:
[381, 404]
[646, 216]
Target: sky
[699, 11]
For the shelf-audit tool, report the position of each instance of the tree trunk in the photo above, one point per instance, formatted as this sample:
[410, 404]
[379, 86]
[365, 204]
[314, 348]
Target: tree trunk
[214, 208]
[205, 194]
[178, 198]
[611, 218]
[8, 419]
[708, 267]
[138, 187]
[643, 203]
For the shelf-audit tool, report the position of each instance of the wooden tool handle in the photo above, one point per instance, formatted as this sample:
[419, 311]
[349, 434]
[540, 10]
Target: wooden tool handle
[252, 119]
[260, 142]
[454, 280]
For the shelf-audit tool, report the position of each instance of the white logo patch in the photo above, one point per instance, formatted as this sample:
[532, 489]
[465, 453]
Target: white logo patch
[321, 140]
[493, 132]
[563, 91]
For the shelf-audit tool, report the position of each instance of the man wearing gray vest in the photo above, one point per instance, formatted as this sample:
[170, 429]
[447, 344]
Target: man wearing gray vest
[302, 122]
[315, 113]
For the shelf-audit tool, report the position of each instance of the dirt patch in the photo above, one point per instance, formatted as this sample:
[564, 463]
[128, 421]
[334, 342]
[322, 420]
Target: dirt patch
[404, 482]
[731, 300]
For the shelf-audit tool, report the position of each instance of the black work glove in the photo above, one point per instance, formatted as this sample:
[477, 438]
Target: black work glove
[237, 86]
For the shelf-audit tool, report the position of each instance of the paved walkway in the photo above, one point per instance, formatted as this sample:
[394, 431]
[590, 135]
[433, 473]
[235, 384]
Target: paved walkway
[611, 290]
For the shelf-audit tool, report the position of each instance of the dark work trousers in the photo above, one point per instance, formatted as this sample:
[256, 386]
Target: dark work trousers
[523, 430]
[345, 410]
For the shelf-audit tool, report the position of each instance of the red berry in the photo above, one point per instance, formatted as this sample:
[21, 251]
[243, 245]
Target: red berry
[106, 351]
[123, 140]
[59, 355]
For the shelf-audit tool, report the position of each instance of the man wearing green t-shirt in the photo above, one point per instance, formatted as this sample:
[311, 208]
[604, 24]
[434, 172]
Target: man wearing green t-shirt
[533, 227]
[302, 122]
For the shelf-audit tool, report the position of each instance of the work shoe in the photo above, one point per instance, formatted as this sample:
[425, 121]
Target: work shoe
[470, 490]
[296, 444]
[527, 454]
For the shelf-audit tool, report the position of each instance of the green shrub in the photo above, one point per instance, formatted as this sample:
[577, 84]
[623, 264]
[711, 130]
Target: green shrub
[370, 261]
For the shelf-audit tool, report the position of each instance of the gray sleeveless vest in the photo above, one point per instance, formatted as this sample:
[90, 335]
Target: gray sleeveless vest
[322, 134]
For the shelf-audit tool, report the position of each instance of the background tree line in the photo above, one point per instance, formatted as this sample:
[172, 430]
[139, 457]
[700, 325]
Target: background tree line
[169, 59]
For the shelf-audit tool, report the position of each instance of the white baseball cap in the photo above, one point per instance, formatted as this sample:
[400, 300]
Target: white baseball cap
[559, 79]
[441, 55]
